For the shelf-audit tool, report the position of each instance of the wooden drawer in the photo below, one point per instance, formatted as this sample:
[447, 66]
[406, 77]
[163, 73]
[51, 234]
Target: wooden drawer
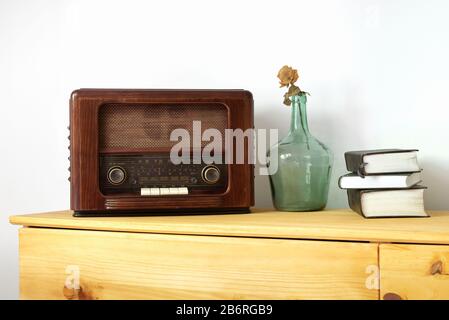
[121, 265]
[414, 271]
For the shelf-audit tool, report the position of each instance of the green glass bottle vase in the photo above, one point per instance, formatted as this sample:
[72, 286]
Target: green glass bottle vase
[299, 165]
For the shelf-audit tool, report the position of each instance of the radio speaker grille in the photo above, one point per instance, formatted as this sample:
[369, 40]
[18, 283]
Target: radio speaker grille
[148, 126]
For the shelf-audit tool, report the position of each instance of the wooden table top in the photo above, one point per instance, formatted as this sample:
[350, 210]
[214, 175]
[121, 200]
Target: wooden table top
[324, 225]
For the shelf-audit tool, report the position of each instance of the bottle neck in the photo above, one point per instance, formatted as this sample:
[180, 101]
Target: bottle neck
[298, 124]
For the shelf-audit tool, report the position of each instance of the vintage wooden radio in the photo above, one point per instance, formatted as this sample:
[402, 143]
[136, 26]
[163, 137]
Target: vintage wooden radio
[121, 151]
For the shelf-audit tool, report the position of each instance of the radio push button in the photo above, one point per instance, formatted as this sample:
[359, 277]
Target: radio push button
[149, 191]
[164, 191]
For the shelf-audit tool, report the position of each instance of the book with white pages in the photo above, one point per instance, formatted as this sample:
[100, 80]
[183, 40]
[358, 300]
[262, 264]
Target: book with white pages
[382, 161]
[385, 181]
[383, 203]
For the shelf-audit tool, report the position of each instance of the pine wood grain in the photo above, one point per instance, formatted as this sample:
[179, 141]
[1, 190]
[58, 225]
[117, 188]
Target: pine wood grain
[322, 225]
[414, 271]
[120, 265]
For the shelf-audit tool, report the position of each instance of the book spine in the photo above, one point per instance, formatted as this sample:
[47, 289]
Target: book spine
[339, 182]
[355, 201]
[355, 164]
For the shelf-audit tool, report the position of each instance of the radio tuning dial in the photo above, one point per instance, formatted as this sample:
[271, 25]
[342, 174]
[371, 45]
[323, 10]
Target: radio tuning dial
[210, 174]
[116, 175]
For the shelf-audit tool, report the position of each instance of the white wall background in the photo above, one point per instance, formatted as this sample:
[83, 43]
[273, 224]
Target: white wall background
[377, 70]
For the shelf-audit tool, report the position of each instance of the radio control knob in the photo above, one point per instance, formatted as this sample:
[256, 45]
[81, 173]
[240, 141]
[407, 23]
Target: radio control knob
[210, 174]
[116, 175]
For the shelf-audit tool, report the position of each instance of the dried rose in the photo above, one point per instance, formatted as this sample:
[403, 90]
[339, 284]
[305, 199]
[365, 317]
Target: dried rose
[287, 76]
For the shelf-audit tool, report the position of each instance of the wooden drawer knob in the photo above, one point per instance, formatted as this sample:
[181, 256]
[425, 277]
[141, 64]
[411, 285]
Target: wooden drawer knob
[392, 296]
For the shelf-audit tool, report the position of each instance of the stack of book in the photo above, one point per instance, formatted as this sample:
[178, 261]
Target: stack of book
[384, 183]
